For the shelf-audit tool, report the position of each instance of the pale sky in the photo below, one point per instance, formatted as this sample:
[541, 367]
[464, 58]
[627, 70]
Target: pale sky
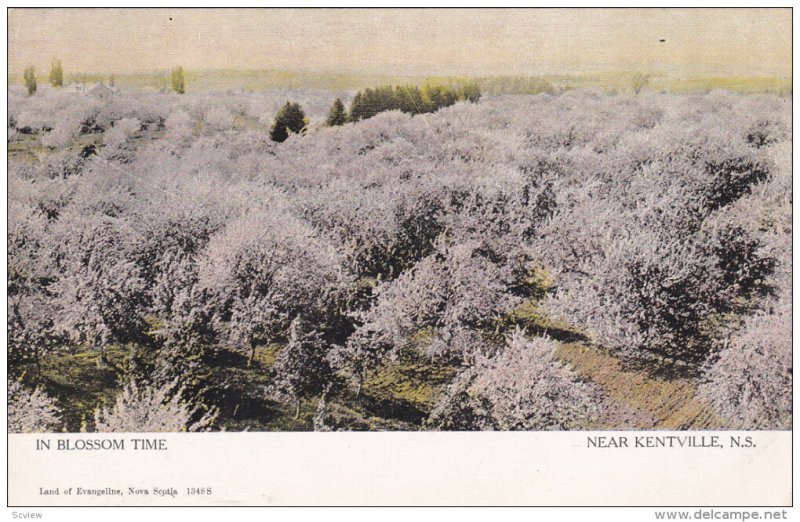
[747, 42]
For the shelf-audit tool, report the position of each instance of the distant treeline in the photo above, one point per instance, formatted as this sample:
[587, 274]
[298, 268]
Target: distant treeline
[265, 80]
[303, 80]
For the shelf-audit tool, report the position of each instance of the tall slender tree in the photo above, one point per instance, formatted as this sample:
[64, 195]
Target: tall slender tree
[177, 81]
[30, 80]
[338, 115]
[56, 77]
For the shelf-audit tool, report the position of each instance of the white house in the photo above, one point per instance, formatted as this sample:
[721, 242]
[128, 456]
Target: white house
[97, 90]
[101, 91]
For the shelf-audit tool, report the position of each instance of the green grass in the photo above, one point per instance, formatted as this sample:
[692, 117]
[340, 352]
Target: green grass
[635, 400]
[397, 396]
[26, 148]
[413, 382]
[78, 383]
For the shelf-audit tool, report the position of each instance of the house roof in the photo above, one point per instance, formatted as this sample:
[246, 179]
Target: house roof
[99, 87]
[95, 88]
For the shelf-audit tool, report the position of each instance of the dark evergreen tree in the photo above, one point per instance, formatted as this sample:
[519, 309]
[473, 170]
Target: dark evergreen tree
[436, 97]
[337, 116]
[409, 99]
[290, 118]
[406, 98]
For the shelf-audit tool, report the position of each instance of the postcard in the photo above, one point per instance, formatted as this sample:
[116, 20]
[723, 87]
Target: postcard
[399, 257]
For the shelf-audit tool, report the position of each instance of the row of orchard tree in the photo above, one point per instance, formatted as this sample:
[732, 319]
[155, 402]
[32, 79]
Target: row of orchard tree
[643, 233]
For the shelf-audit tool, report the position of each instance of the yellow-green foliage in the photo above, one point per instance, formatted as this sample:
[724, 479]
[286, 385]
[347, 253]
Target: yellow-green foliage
[25, 147]
[530, 314]
[177, 81]
[413, 379]
[267, 355]
[424, 335]
[153, 324]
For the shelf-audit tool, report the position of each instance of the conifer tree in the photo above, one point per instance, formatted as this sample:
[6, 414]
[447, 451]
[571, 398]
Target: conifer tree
[290, 118]
[337, 116]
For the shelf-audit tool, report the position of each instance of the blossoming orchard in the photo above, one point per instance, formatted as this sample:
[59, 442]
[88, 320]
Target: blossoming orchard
[444, 261]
